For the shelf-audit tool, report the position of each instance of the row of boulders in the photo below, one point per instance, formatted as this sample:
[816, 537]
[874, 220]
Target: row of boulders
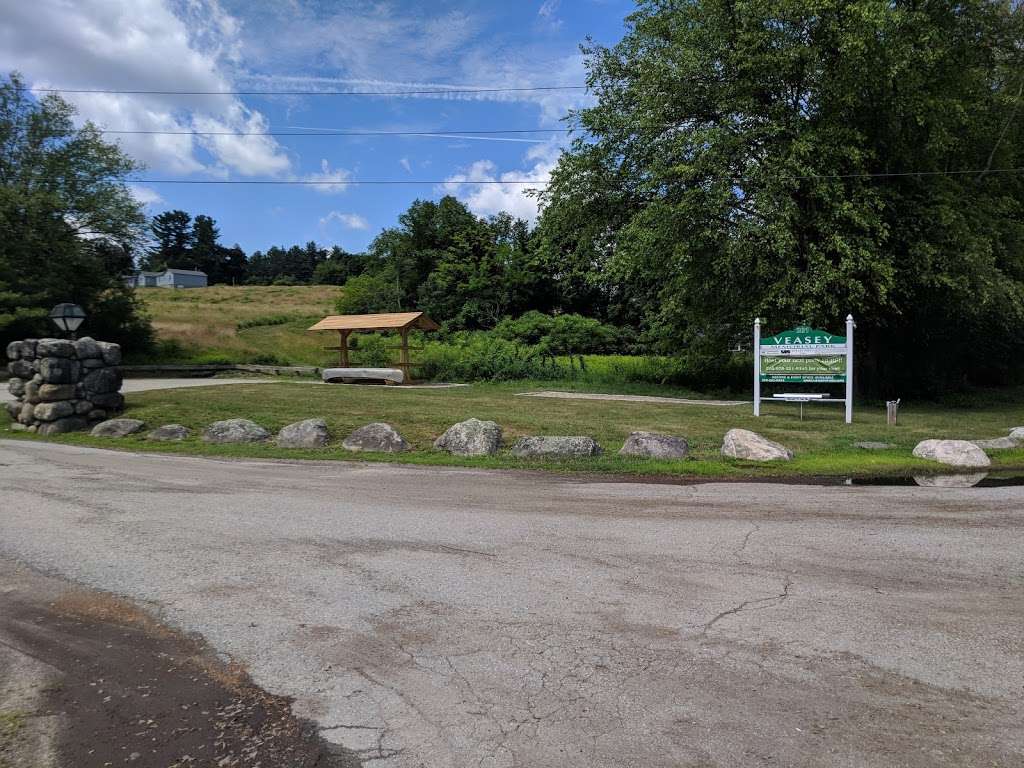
[61, 385]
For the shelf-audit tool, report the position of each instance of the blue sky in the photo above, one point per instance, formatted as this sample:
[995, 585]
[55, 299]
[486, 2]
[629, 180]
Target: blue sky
[206, 45]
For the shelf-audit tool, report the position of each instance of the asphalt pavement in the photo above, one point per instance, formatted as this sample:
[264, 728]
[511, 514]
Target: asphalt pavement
[456, 617]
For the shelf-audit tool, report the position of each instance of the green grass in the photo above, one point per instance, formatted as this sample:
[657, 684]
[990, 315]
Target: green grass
[823, 443]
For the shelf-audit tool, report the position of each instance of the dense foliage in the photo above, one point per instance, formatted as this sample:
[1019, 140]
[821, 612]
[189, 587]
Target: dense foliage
[68, 223]
[801, 160]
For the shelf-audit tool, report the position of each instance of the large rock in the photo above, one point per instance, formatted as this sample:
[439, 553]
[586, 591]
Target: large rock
[93, 362]
[556, 446]
[655, 446]
[471, 437]
[101, 381]
[13, 409]
[16, 386]
[118, 428]
[31, 393]
[82, 407]
[112, 401]
[169, 433]
[744, 444]
[55, 348]
[379, 437]
[27, 414]
[950, 481]
[111, 352]
[49, 393]
[58, 370]
[235, 431]
[310, 433]
[955, 453]
[53, 411]
[13, 350]
[69, 424]
[21, 368]
[86, 348]
[997, 444]
[1017, 433]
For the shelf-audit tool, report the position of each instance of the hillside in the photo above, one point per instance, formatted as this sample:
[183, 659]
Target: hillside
[240, 323]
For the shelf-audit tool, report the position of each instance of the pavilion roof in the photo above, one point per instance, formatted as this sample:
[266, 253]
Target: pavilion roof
[389, 321]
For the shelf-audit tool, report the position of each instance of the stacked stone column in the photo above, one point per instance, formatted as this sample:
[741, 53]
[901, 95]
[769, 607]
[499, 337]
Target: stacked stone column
[63, 386]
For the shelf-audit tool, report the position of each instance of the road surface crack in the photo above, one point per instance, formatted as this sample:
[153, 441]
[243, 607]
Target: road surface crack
[777, 599]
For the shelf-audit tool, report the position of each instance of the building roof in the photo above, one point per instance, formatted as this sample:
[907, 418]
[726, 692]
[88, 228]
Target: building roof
[390, 321]
[184, 272]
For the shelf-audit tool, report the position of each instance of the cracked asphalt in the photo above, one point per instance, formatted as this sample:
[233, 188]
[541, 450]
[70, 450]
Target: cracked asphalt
[454, 617]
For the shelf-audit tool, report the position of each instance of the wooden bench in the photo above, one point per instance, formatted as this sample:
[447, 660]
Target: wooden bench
[355, 375]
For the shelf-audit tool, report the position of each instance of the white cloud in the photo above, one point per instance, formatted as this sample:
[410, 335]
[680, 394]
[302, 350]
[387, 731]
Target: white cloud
[145, 195]
[347, 220]
[339, 177]
[144, 45]
[548, 12]
[404, 162]
[487, 199]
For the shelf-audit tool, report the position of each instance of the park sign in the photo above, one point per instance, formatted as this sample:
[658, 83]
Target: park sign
[804, 355]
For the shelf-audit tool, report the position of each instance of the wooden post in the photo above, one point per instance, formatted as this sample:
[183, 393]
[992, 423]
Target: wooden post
[343, 349]
[403, 359]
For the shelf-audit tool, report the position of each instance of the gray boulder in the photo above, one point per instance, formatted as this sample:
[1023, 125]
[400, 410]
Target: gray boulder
[82, 407]
[49, 393]
[27, 414]
[53, 411]
[113, 401]
[91, 363]
[58, 370]
[111, 352]
[169, 433]
[379, 437]
[102, 380]
[471, 437]
[655, 446]
[950, 481]
[16, 386]
[69, 424]
[955, 453]
[13, 350]
[55, 348]
[869, 445]
[97, 414]
[21, 368]
[555, 446]
[997, 444]
[235, 431]
[118, 428]
[310, 433]
[13, 409]
[744, 444]
[1017, 433]
[31, 393]
[86, 348]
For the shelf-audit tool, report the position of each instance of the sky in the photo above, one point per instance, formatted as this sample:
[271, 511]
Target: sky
[306, 45]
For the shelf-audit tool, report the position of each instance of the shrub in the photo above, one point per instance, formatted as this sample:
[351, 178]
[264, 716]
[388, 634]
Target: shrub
[256, 322]
[483, 356]
[366, 294]
[372, 350]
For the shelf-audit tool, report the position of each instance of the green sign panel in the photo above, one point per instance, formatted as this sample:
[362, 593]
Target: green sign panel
[803, 355]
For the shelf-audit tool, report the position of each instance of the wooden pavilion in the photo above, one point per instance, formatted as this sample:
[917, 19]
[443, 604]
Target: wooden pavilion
[400, 322]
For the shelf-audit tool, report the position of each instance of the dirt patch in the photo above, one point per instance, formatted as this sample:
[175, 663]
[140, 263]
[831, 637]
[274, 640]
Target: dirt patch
[131, 691]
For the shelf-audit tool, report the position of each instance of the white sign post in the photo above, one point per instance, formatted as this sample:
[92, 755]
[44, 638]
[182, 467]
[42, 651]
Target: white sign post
[804, 355]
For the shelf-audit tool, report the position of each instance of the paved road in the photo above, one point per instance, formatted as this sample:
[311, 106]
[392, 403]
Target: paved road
[145, 385]
[452, 617]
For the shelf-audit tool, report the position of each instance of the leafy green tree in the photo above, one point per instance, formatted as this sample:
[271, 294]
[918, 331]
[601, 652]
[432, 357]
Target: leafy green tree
[802, 160]
[68, 223]
[367, 294]
[206, 252]
[173, 239]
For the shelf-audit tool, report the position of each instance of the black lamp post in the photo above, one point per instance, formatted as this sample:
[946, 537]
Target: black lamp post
[67, 317]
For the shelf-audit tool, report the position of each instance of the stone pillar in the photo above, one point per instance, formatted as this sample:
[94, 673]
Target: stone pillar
[61, 385]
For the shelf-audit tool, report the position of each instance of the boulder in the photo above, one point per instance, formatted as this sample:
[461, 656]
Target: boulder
[310, 433]
[17, 426]
[169, 433]
[97, 414]
[113, 401]
[471, 437]
[235, 431]
[111, 352]
[118, 428]
[49, 393]
[21, 368]
[379, 437]
[1017, 433]
[86, 348]
[13, 409]
[744, 444]
[997, 444]
[13, 350]
[82, 407]
[60, 426]
[31, 393]
[27, 414]
[55, 348]
[869, 445]
[101, 381]
[93, 362]
[16, 386]
[555, 446]
[53, 411]
[655, 446]
[950, 481]
[58, 370]
[955, 453]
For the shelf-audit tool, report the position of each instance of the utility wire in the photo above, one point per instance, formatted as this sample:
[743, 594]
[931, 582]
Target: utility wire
[424, 92]
[347, 182]
[454, 134]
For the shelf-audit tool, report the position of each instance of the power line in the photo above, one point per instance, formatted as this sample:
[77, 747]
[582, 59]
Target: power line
[354, 182]
[424, 92]
[330, 132]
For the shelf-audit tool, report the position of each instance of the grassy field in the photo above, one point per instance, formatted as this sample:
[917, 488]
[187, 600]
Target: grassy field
[241, 324]
[823, 443]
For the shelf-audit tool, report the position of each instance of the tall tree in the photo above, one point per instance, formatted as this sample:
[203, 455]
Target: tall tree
[68, 221]
[206, 253]
[173, 239]
[805, 159]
